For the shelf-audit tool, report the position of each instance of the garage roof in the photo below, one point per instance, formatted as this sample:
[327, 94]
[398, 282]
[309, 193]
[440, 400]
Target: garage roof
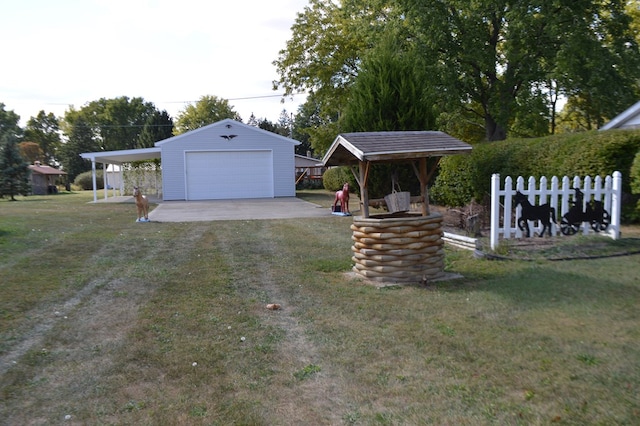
[349, 148]
[123, 156]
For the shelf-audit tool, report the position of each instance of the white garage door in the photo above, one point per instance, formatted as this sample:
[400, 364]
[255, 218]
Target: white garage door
[219, 175]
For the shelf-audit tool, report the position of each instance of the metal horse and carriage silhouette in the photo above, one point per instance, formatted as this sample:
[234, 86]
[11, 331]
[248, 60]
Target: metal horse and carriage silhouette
[566, 207]
[592, 212]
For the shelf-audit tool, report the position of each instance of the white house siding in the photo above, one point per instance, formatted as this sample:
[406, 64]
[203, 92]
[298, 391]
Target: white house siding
[208, 140]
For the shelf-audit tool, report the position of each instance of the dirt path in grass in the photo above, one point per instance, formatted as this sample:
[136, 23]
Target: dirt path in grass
[73, 343]
[323, 397]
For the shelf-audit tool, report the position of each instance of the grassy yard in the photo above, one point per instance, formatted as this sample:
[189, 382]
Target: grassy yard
[108, 321]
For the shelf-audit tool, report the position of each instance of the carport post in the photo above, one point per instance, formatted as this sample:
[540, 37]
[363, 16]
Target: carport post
[93, 176]
[104, 180]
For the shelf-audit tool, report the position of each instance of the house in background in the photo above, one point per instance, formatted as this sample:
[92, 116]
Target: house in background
[628, 119]
[114, 176]
[224, 160]
[308, 168]
[43, 179]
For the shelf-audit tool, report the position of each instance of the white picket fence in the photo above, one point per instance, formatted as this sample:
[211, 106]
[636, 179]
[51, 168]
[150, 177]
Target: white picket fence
[559, 195]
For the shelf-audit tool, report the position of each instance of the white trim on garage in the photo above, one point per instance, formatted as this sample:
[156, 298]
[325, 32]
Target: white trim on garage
[228, 174]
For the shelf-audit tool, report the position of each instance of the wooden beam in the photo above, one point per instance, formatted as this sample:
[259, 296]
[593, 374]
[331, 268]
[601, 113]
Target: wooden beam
[354, 172]
[424, 191]
[364, 192]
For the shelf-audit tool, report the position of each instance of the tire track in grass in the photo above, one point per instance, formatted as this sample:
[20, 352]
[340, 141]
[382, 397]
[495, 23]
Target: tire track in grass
[98, 294]
[318, 396]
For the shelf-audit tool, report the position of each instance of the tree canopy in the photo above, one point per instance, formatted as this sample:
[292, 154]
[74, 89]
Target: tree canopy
[80, 139]
[44, 129]
[115, 123]
[207, 110]
[500, 63]
[390, 92]
[9, 123]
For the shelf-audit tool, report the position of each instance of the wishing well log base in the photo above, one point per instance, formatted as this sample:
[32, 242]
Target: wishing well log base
[402, 249]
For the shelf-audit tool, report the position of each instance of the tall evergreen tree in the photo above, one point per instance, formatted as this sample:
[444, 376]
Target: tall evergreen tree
[389, 93]
[14, 170]
[9, 123]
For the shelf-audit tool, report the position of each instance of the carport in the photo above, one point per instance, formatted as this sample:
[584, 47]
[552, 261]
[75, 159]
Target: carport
[117, 158]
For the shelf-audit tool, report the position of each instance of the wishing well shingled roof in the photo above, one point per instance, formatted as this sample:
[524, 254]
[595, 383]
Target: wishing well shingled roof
[392, 146]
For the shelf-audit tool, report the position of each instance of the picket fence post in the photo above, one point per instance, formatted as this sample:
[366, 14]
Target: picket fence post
[495, 210]
[616, 205]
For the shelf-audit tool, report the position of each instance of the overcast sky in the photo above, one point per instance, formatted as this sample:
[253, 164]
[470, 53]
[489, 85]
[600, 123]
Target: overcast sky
[71, 52]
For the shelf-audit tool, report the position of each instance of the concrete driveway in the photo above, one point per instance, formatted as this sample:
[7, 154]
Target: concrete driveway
[246, 209]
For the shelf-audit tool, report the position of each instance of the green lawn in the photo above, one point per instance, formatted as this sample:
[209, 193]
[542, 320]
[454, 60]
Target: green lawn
[108, 321]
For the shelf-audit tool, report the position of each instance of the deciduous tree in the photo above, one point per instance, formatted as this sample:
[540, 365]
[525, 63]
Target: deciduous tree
[207, 110]
[116, 123]
[81, 139]
[44, 129]
[502, 63]
[31, 152]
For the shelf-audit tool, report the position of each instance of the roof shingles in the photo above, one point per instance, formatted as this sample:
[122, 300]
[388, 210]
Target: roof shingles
[392, 146]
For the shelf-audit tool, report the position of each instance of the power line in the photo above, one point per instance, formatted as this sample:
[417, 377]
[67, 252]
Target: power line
[187, 102]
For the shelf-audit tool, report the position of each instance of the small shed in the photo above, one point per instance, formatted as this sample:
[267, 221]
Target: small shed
[396, 248]
[43, 178]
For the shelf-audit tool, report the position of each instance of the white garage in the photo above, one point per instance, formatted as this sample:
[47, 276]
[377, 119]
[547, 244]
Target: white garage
[224, 160]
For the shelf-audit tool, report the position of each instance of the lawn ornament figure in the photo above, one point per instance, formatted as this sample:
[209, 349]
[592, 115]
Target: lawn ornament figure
[342, 196]
[142, 203]
[594, 213]
[544, 213]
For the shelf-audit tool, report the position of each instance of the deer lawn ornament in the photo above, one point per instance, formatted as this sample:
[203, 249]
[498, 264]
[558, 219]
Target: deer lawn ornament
[142, 203]
[342, 196]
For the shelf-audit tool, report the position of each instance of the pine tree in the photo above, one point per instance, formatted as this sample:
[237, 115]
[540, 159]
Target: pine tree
[14, 170]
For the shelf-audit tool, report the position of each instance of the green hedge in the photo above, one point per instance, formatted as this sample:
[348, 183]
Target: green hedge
[85, 180]
[335, 177]
[463, 178]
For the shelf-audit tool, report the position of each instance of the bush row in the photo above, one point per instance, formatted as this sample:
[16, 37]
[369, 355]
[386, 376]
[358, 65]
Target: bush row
[465, 177]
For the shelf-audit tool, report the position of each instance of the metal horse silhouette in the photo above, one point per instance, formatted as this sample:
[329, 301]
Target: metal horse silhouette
[342, 196]
[544, 213]
[594, 213]
[142, 204]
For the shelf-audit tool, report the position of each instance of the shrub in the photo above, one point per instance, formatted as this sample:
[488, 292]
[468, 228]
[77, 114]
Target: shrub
[310, 184]
[453, 188]
[635, 174]
[335, 177]
[85, 180]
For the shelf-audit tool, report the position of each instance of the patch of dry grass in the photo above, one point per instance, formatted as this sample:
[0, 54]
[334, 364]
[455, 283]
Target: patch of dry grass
[155, 333]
